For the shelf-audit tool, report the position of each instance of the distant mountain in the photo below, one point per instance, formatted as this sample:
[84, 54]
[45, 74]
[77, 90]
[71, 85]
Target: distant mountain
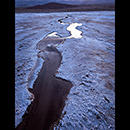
[52, 5]
[29, 3]
[60, 7]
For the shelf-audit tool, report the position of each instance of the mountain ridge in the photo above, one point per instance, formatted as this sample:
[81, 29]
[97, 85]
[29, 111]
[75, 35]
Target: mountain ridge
[52, 5]
[60, 7]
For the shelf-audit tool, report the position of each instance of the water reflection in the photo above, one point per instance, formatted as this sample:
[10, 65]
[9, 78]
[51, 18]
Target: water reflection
[75, 33]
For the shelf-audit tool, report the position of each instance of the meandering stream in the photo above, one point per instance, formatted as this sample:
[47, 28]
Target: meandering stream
[43, 52]
[75, 33]
[49, 92]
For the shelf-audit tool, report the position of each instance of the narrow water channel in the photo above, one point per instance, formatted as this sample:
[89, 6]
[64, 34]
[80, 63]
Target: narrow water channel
[74, 32]
[49, 92]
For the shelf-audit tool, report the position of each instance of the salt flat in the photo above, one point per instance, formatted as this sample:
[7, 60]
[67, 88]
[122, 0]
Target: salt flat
[88, 62]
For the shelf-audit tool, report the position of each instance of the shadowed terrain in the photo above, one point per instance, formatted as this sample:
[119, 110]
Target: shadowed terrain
[58, 7]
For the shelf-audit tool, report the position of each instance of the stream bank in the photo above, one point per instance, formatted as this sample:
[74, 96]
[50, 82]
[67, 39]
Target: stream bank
[90, 103]
[49, 92]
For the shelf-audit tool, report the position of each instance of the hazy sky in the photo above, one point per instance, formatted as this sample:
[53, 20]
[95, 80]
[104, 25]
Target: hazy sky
[69, 0]
[35, 2]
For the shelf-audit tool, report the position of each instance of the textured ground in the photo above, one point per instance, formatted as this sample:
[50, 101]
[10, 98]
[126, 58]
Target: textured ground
[88, 62]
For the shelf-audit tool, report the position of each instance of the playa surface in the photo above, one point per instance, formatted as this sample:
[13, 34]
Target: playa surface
[84, 67]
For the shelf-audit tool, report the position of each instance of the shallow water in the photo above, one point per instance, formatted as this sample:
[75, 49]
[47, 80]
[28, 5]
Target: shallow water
[75, 33]
[90, 69]
[49, 92]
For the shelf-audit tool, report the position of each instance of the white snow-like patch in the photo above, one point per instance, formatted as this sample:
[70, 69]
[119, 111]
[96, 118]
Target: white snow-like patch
[35, 72]
[53, 34]
[75, 33]
[64, 23]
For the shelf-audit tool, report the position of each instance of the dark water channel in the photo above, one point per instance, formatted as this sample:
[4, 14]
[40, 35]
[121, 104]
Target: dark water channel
[49, 91]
